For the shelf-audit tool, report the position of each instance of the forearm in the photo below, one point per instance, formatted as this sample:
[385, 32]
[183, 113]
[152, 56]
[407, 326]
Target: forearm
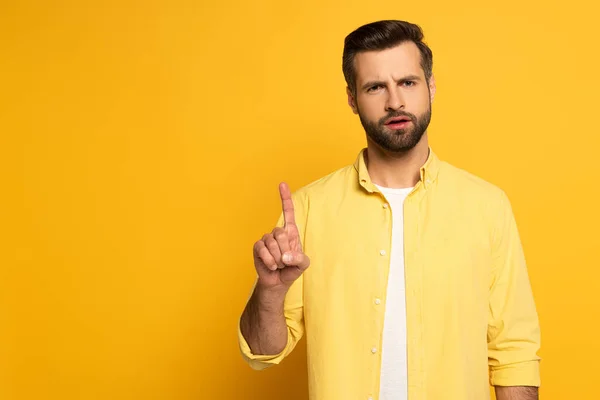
[516, 393]
[263, 323]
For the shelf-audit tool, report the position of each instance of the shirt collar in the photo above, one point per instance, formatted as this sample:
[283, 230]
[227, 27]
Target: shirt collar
[429, 171]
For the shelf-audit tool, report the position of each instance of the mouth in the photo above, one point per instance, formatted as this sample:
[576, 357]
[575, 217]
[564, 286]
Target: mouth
[398, 122]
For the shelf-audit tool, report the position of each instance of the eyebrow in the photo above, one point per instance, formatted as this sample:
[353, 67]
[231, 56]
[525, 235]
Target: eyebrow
[403, 79]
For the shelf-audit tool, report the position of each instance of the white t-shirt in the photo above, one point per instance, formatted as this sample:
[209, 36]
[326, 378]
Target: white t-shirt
[394, 381]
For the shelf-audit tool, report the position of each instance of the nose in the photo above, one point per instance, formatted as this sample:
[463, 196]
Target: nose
[395, 101]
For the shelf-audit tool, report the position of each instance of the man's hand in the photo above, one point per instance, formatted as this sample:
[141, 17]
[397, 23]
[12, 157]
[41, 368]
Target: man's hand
[278, 256]
[279, 261]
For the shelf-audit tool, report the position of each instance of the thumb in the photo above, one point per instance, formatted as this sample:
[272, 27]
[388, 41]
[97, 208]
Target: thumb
[296, 258]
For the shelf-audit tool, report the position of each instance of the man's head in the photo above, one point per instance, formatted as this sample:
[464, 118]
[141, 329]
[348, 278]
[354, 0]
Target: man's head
[388, 70]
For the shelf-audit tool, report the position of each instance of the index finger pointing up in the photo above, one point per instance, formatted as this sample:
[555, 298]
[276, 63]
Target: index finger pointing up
[286, 204]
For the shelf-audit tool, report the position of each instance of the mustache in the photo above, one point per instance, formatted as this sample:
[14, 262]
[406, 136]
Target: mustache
[397, 114]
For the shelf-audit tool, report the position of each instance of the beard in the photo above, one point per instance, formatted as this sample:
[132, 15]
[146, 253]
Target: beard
[397, 140]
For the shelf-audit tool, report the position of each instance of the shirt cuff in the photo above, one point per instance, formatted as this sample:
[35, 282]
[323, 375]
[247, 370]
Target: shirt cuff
[258, 361]
[519, 374]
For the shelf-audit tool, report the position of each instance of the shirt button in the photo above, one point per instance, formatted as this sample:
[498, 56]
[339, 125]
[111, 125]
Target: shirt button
[370, 398]
[385, 205]
[382, 252]
[373, 350]
[377, 301]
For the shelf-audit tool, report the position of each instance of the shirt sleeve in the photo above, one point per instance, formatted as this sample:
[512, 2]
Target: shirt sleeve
[293, 304]
[513, 327]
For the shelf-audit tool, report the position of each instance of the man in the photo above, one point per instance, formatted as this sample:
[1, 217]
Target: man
[417, 287]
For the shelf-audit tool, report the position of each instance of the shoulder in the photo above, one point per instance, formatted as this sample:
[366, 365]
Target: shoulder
[467, 183]
[310, 195]
[333, 183]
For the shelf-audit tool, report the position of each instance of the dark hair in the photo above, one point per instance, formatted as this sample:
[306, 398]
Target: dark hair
[383, 35]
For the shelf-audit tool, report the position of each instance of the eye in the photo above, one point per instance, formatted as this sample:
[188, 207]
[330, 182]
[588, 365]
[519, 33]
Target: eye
[409, 83]
[374, 88]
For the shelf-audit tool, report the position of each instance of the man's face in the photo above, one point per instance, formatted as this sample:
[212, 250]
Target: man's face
[393, 99]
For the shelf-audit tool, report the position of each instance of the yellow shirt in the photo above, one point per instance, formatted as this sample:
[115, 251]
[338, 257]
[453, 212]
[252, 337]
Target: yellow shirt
[471, 317]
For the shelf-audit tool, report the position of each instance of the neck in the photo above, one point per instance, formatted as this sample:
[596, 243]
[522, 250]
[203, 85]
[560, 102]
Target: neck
[396, 170]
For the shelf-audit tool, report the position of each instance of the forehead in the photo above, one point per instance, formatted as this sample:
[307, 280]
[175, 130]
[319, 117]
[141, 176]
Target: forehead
[402, 60]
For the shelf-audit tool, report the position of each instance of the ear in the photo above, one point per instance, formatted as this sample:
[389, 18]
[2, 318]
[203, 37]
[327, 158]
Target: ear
[351, 101]
[432, 87]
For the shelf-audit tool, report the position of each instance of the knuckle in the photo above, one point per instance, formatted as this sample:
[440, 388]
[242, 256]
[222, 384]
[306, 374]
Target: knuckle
[264, 253]
[280, 235]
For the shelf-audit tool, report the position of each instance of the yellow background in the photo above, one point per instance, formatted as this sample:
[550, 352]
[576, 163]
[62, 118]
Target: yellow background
[141, 148]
